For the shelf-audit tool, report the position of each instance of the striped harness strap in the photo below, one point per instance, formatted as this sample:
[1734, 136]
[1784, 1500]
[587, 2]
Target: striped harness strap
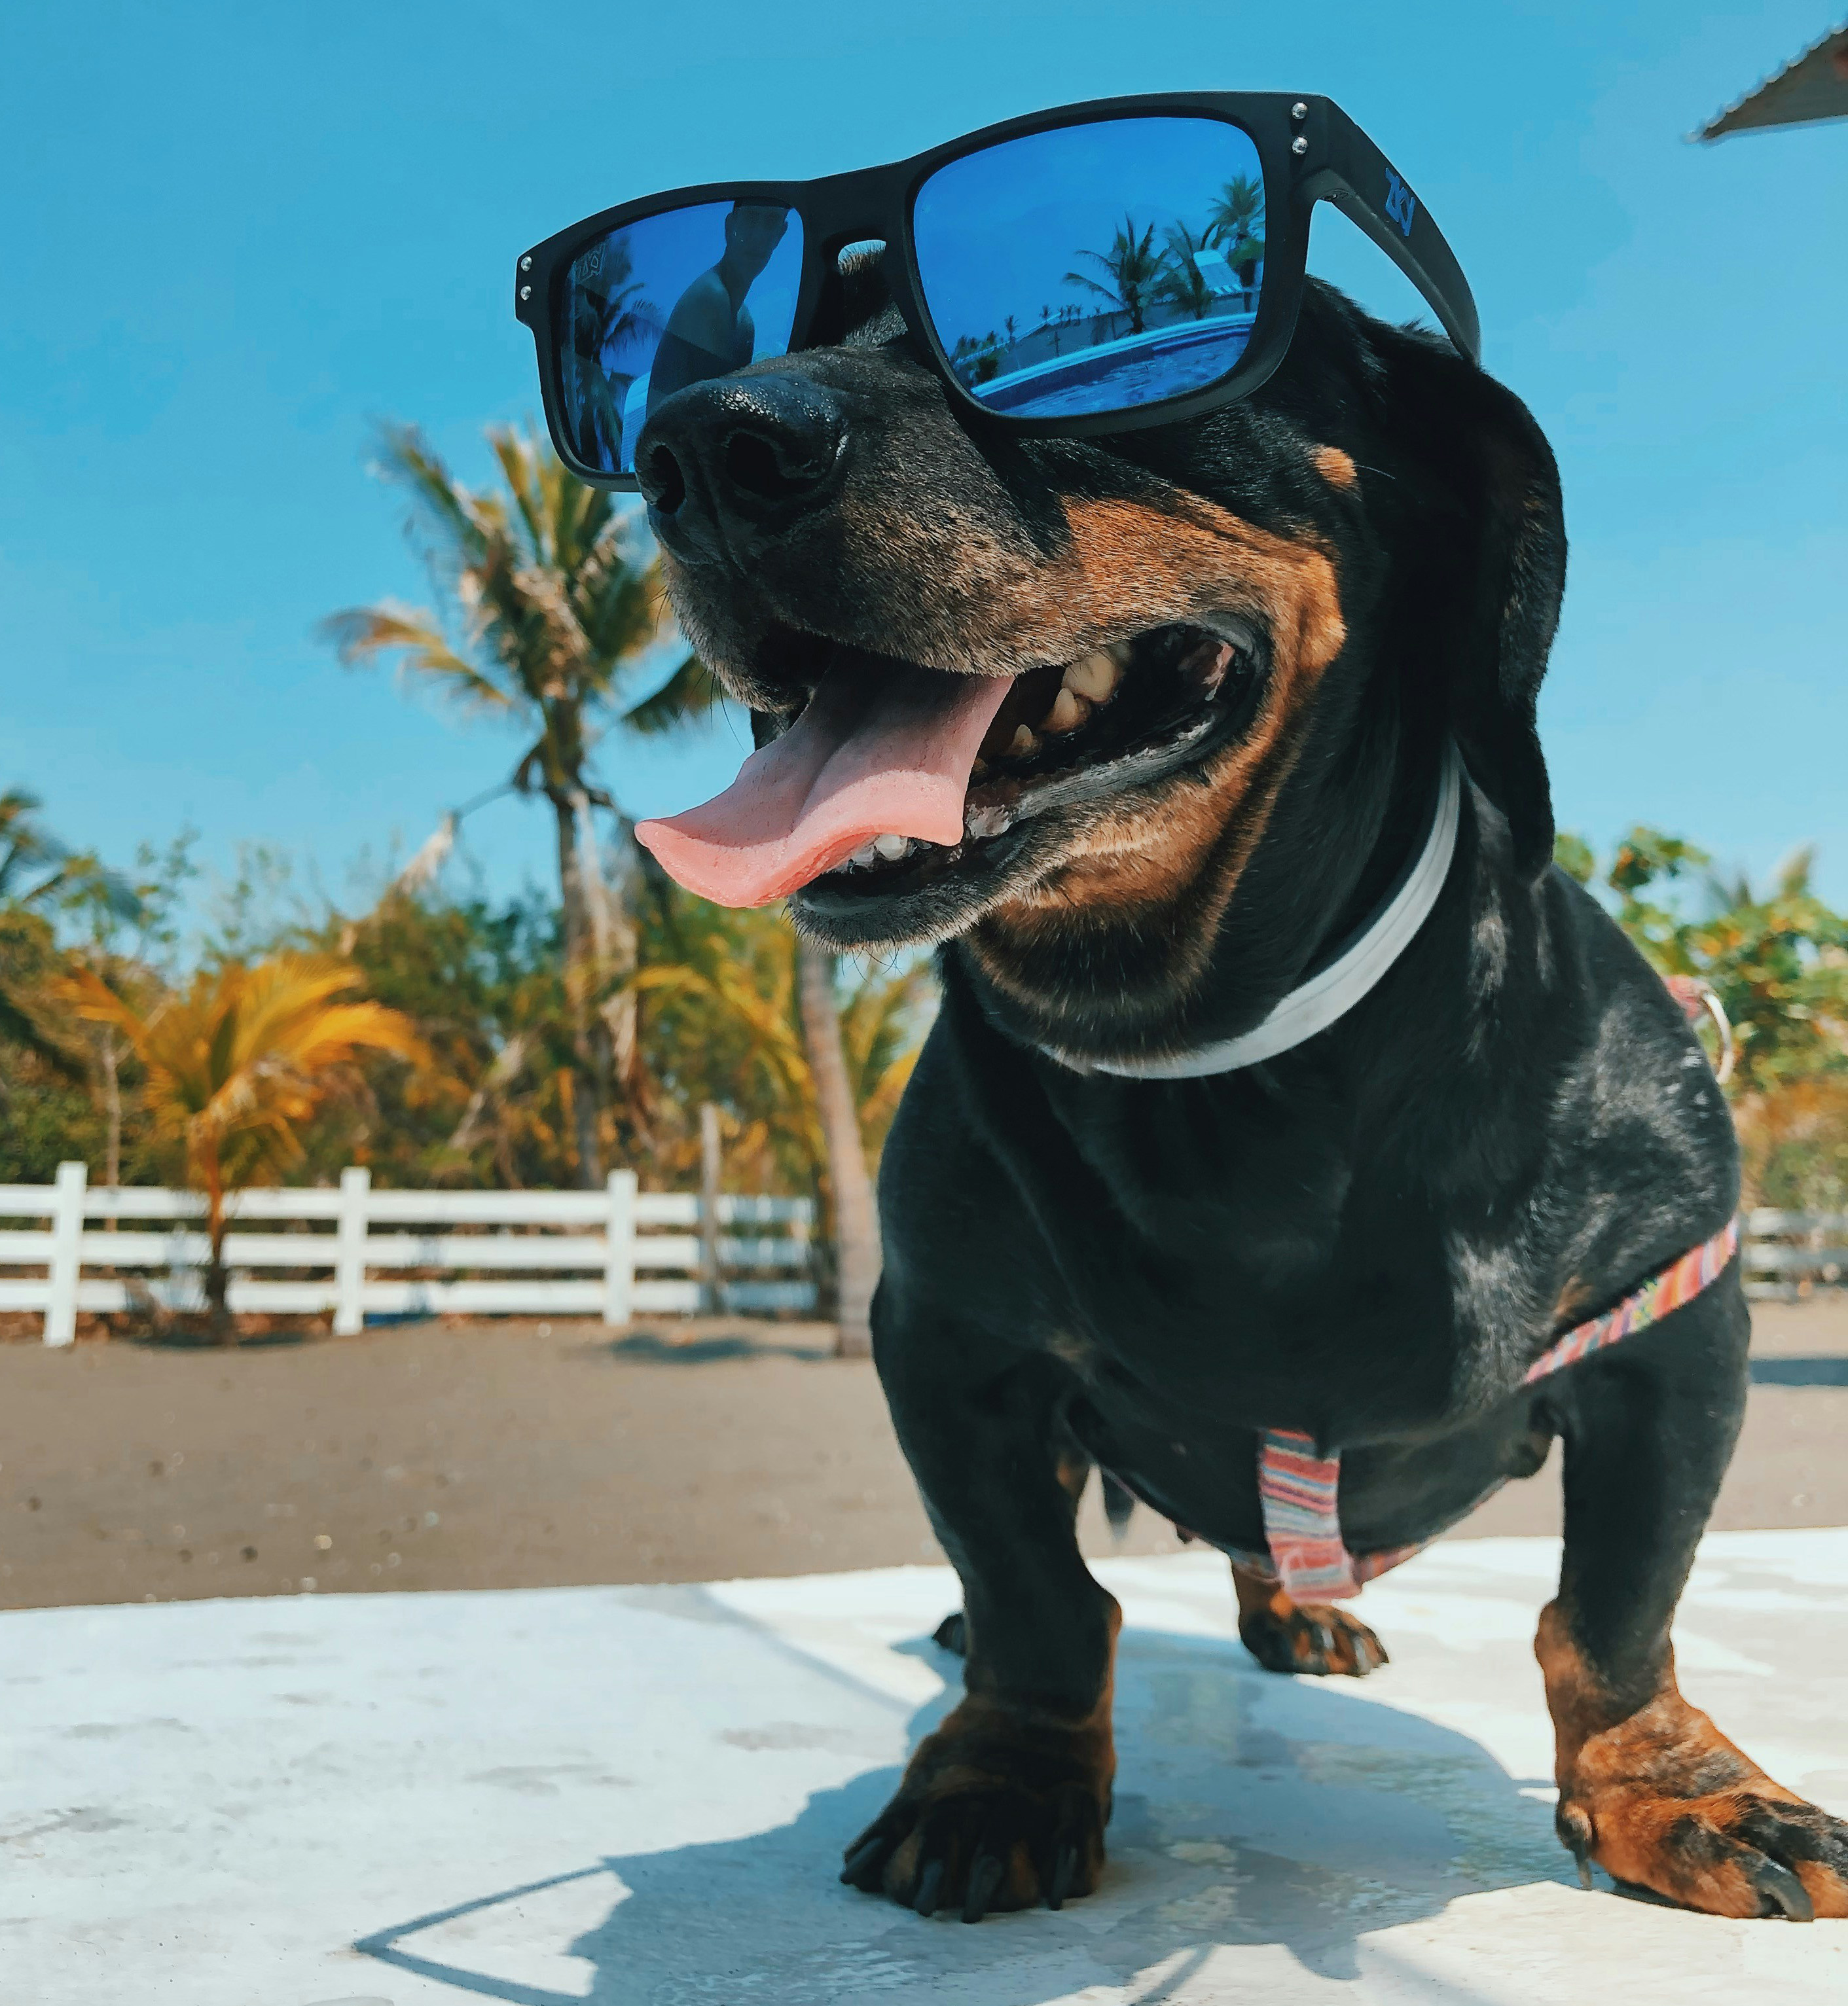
[1299, 1490]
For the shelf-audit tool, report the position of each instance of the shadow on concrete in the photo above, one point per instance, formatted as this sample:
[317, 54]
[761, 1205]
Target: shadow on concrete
[1250, 1810]
[708, 1347]
[1817, 1371]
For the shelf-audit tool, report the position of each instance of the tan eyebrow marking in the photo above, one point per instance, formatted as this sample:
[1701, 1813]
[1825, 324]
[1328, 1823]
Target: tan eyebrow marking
[1335, 467]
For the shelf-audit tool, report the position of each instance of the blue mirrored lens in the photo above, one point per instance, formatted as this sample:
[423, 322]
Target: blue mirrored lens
[669, 300]
[1096, 267]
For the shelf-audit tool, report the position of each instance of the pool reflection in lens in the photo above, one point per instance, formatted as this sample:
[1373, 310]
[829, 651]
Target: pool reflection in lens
[1095, 267]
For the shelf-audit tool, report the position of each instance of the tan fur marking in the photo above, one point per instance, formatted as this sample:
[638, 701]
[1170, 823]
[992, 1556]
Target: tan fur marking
[1318, 1637]
[1335, 467]
[984, 603]
[1570, 1308]
[1186, 843]
[1656, 1793]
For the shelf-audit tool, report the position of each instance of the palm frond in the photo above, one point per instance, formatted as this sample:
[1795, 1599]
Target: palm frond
[443, 508]
[692, 691]
[22, 1025]
[359, 633]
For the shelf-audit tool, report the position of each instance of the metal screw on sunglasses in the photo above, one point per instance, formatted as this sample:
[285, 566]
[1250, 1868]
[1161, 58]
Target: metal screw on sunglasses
[1093, 268]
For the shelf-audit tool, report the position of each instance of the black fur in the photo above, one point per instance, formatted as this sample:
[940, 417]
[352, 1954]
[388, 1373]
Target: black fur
[1368, 1238]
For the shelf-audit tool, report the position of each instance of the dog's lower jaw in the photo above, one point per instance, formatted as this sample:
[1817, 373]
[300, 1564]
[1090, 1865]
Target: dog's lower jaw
[1111, 951]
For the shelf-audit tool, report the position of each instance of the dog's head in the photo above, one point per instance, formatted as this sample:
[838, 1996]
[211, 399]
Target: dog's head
[1220, 640]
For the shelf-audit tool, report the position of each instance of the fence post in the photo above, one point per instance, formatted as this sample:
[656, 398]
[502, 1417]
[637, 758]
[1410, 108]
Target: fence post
[711, 1169]
[619, 1255]
[67, 1254]
[350, 1253]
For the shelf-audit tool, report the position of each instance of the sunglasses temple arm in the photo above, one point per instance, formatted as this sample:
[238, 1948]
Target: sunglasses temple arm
[1364, 184]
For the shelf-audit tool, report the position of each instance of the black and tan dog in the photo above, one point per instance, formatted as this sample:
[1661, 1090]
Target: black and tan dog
[1240, 648]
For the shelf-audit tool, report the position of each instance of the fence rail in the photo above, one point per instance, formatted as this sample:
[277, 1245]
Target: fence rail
[599, 1253]
[1783, 1249]
[609, 1254]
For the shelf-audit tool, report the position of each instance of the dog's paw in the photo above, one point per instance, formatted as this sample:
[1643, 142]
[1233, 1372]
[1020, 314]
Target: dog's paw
[1663, 1801]
[1000, 1808]
[952, 1635]
[1311, 1637]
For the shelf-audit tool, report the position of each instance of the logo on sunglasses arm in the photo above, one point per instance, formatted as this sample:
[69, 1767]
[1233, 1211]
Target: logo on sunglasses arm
[1401, 205]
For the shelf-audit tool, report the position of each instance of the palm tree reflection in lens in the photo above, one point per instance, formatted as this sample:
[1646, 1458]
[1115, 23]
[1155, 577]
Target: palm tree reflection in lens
[1132, 266]
[1180, 284]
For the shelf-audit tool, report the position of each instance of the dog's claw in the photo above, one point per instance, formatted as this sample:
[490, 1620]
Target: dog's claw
[984, 1878]
[930, 1887]
[866, 1859]
[1064, 1871]
[1584, 1860]
[1777, 1883]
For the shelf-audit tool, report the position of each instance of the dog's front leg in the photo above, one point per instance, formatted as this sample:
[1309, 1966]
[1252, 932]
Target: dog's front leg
[1648, 1786]
[1005, 1805]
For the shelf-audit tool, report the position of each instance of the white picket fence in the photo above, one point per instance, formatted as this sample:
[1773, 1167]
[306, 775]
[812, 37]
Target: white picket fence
[1784, 1248]
[612, 1254]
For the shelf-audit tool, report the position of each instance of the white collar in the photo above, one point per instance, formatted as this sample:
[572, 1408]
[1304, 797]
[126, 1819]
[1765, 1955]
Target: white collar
[1335, 991]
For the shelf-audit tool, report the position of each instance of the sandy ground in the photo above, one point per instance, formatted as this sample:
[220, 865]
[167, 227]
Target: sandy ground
[517, 1455]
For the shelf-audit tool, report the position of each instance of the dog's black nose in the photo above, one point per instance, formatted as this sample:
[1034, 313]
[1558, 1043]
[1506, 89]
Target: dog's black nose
[725, 465]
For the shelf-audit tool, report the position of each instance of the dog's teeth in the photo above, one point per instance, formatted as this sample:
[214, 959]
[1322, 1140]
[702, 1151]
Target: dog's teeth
[1067, 714]
[1093, 677]
[979, 769]
[978, 822]
[1120, 651]
[862, 856]
[1022, 743]
[893, 847]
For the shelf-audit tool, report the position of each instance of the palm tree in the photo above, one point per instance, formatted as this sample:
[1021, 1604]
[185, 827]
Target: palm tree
[38, 873]
[237, 1063]
[28, 951]
[1235, 213]
[32, 859]
[1131, 265]
[747, 1015]
[1777, 956]
[35, 866]
[1181, 282]
[553, 608]
[856, 1217]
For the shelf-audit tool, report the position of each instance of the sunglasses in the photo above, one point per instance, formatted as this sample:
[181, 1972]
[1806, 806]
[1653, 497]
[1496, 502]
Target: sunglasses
[1093, 268]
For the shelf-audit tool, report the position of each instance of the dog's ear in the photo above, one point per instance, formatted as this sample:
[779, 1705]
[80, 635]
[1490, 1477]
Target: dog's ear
[1481, 545]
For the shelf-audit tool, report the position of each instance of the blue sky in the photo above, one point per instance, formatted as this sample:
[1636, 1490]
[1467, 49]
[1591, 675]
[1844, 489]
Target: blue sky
[235, 236]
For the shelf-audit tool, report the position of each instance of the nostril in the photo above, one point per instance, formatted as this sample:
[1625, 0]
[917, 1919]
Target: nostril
[754, 464]
[666, 486]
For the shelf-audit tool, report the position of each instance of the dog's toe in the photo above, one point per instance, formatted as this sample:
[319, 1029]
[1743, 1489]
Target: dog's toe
[1310, 1638]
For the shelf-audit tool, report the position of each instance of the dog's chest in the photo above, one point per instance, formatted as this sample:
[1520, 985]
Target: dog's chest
[1243, 1275]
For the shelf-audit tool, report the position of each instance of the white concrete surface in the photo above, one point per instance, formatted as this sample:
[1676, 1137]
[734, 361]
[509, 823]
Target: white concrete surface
[637, 1796]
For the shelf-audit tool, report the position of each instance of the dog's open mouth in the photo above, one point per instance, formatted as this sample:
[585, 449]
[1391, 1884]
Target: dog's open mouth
[893, 774]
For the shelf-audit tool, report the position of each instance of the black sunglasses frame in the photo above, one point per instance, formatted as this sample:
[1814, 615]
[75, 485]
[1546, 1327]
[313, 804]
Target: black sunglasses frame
[1309, 151]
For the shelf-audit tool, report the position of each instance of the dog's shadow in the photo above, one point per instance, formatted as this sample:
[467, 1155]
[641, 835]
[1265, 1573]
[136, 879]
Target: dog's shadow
[1251, 1810]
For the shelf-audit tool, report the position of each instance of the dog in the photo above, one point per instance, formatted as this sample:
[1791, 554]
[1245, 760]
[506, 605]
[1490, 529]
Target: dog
[1225, 669]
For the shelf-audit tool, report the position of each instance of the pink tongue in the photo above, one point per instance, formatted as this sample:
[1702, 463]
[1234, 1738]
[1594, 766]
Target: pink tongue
[880, 750]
